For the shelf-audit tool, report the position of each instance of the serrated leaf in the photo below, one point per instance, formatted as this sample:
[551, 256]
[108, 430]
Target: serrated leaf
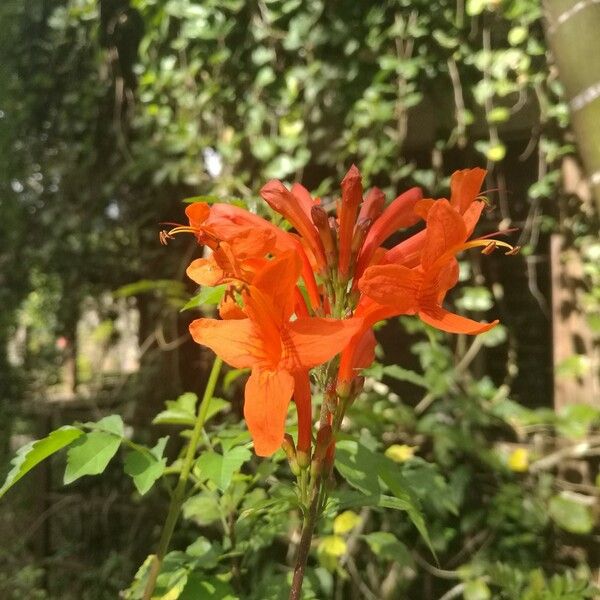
[110, 424]
[35, 452]
[145, 466]
[363, 469]
[207, 296]
[401, 374]
[219, 468]
[91, 455]
[179, 412]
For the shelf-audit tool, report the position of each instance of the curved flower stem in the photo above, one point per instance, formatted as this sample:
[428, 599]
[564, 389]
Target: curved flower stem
[179, 493]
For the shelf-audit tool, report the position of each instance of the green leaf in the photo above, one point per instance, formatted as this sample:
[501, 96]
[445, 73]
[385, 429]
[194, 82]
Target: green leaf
[207, 587]
[401, 374]
[183, 410]
[475, 7]
[202, 509]
[363, 469]
[179, 412]
[496, 152]
[35, 452]
[477, 590]
[111, 424]
[219, 468]
[168, 287]
[136, 589]
[90, 455]
[517, 35]
[146, 466]
[571, 514]
[387, 546]
[207, 296]
[575, 420]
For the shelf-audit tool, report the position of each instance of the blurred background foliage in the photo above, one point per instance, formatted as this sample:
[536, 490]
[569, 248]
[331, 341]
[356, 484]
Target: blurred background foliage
[111, 112]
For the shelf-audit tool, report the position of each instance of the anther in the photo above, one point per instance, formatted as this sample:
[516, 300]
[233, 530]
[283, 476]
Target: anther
[489, 249]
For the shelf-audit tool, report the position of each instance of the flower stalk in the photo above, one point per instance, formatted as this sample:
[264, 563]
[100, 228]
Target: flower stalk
[178, 495]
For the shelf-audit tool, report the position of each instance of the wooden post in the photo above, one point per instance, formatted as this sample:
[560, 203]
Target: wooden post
[573, 28]
[570, 333]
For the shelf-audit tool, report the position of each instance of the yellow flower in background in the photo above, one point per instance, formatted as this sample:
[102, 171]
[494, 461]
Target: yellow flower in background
[332, 545]
[400, 452]
[345, 522]
[518, 460]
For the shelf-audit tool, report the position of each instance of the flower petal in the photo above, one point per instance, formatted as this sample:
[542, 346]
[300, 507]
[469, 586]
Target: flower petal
[205, 271]
[267, 397]
[277, 281]
[197, 213]
[392, 285]
[465, 186]
[472, 214]
[279, 198]
[399, 214]
[310, 341]
[445, 230]
[440, 318]
[235, 341]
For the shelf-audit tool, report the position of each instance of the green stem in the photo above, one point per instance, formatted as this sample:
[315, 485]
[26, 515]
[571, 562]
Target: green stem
[179, 493]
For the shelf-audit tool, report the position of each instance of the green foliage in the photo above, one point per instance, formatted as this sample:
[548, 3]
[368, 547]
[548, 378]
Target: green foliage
[93, 451]
[126, 107]
[220, 468]
[35, 452]
[146, 467]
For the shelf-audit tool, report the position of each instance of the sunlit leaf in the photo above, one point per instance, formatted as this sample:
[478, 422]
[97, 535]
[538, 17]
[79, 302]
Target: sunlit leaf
[35, 452]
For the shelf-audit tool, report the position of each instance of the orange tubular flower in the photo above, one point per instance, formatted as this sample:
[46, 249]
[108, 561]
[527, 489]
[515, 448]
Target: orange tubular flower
[278, 351]
[421, 290]
[399, 214]
[464, 194]
[236, 259]
[295, 208]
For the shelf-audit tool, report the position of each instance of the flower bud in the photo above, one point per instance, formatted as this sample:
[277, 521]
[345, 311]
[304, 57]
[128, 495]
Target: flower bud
[290, 451]
[321, 220]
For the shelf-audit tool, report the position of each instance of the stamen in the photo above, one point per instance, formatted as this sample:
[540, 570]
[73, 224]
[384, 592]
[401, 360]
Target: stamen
[164, 237]
[489, 249]
[514, 251]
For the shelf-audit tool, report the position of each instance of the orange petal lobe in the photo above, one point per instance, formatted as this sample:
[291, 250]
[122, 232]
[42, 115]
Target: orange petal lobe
[440, 318]
[310, 341]
[268, 394]
[399, 214]
[235, 341]
[465, 186]
[392, 285]
[205, 271]
[445, 230]
[277, 280]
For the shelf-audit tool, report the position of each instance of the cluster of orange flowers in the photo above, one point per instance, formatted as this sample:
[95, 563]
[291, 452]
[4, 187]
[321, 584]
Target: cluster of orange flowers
[295, 300]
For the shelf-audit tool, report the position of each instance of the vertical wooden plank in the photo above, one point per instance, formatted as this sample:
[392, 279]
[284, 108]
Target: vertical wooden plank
[570, 334]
